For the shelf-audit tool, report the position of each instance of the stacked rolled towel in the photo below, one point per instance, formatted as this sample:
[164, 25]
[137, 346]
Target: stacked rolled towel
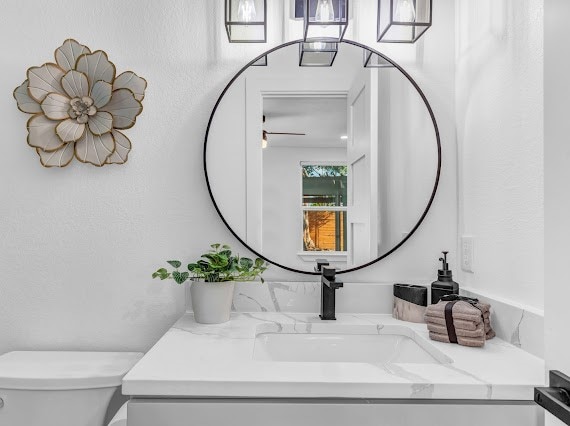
[466, 321]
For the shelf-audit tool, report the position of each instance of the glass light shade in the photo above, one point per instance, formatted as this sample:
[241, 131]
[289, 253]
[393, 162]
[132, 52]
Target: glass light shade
[246, 21]
[299, 8]
[373, 60]
[325, 20]
[317, 53]
[403, 21]
[261, 62]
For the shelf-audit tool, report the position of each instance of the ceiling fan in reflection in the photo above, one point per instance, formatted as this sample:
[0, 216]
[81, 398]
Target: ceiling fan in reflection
[265, 134]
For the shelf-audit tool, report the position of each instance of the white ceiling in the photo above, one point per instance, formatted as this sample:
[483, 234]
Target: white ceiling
[323, 119]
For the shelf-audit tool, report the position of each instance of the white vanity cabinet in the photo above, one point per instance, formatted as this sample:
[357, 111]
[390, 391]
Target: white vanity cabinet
[307, 412]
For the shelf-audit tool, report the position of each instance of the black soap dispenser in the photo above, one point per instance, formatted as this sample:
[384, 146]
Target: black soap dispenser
[444, 284]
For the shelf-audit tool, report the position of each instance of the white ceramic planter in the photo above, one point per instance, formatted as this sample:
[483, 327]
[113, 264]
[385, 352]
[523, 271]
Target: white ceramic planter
[212, 302]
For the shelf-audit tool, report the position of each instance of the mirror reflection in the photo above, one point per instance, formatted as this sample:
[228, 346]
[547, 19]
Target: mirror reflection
[334, 162]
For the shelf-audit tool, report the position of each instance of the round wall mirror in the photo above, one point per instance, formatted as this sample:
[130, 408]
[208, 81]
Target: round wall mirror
[322, 151]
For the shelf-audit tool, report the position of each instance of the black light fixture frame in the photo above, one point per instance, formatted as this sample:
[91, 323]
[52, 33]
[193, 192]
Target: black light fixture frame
[397, 246]
[229, 23]
[343, 25]
[380, 36]
[303, 50]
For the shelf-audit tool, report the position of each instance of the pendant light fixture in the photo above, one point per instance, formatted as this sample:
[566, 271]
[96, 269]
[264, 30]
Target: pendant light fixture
[317, 53]
[374, 60]
[246, 21]
[403, 21]
[264, 139]
[325, 20]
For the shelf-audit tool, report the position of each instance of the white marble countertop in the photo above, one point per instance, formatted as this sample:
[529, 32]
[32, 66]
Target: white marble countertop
[195, 360]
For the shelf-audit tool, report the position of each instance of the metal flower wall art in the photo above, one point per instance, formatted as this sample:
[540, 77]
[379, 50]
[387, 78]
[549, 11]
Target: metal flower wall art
[79, 106]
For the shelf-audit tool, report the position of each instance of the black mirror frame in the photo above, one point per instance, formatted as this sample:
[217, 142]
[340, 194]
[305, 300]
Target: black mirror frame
[422, 217]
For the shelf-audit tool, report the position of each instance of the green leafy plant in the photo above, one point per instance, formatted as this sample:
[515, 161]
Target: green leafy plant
[217, 265]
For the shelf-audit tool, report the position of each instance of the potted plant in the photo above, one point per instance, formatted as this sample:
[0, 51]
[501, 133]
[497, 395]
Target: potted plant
[213, 279]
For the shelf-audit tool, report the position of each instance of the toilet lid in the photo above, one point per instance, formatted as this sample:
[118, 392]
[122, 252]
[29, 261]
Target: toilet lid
[38, 370]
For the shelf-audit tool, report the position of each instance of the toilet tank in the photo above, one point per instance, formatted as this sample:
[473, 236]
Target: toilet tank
[60, 388]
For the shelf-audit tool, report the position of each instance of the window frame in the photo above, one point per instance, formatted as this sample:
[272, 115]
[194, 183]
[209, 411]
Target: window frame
[310, 256]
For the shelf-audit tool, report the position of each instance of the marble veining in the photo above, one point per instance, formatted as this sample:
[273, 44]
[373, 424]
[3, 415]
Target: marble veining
[195, 360]
[516, 335]
[276, 296]
[521, 326]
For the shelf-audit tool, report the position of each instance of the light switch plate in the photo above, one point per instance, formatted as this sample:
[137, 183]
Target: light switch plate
[467, 253]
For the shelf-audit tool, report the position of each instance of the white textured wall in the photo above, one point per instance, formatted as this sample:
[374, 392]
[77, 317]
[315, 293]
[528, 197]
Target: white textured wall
[499, 106]
[556, 194]
[78, 244]
[406, 157]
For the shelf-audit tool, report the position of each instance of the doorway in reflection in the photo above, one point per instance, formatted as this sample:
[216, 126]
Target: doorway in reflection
[305, 175]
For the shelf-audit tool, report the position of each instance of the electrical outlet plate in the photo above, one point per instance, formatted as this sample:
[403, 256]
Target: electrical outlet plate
[467, 253]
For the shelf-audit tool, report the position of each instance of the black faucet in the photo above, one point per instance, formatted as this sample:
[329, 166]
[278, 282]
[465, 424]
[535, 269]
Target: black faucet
[328, 286]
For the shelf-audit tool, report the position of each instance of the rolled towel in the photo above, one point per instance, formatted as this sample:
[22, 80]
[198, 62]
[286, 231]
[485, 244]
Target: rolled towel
[459, 324]
[436, 314]
[460, 320]
[474, 342]
[482, 307]
[478, 332]
[461, 311]
[489, 333]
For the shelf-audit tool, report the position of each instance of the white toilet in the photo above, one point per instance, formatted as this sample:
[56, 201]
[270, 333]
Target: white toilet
[60, 388]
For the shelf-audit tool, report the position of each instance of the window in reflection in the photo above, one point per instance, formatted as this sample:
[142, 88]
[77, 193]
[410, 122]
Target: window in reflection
[324, 207]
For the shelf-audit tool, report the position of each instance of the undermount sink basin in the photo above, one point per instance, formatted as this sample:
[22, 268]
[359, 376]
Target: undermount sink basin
[344, 343]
